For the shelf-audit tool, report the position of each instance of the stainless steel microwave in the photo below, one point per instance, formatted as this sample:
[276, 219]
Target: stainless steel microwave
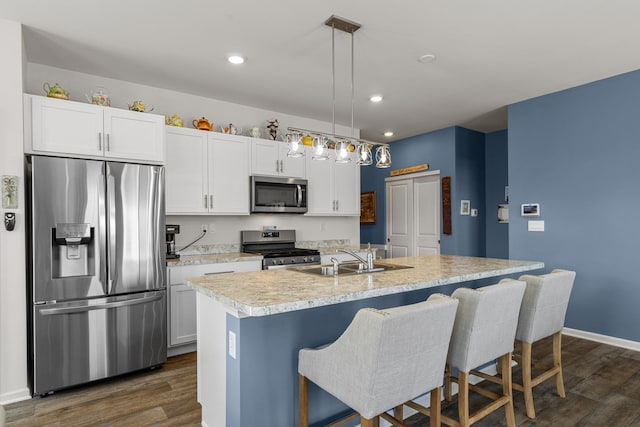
[278, 195]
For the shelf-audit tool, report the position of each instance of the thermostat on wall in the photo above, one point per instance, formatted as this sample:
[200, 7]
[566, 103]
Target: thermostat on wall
[530, 209]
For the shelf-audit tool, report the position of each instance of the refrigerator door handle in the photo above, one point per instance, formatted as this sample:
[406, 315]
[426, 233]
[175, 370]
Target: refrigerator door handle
[81, 308]
[111, 228]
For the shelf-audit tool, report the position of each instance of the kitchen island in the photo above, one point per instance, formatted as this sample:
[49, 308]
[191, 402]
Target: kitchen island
[251, 326]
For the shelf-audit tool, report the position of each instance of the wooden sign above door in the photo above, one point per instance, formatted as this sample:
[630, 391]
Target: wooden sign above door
[410, 169]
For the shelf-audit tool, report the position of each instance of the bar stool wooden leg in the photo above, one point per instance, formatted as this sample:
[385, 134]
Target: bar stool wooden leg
[303, 401]
[398, 412]
[434, 413]
[505, 368]
[527, 386]
[557, 362]
[448, 395]
[463, 399]
[373, 422]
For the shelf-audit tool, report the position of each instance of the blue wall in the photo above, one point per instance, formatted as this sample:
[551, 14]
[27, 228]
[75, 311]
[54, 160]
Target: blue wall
[469, 182]
[496, 178]
[455, 152]
[436, 148]
[576, 152]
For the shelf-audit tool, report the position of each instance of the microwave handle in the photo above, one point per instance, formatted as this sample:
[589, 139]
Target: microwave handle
[299, 196]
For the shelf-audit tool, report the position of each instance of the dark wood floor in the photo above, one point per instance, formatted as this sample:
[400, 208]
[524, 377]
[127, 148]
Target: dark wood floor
[602, 385]
[162, 397]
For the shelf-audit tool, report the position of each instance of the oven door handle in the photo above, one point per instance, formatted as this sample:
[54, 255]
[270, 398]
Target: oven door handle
[299, 195]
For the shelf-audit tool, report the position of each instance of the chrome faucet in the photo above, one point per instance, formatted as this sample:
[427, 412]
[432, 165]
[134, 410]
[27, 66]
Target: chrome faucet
[368, 262]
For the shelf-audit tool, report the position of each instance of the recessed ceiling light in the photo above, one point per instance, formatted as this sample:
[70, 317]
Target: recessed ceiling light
[429, 57]
[388, 134]
[375, 98]
[235, 59]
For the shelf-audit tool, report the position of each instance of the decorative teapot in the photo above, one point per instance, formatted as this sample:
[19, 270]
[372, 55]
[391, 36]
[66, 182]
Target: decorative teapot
[234, 130]
[55, 91]
[140, 107]
[174, 120]
[202, 124]
[99, 96]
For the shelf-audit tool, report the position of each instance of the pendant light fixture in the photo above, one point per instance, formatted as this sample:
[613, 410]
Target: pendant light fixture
[342, 145]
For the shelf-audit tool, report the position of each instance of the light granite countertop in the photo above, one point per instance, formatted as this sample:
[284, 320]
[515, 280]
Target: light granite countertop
[265, 292]
[197, 259]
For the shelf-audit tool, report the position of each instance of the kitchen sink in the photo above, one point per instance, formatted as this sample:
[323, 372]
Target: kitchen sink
[347, 269]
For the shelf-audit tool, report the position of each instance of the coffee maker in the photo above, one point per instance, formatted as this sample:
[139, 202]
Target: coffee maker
[171, 231]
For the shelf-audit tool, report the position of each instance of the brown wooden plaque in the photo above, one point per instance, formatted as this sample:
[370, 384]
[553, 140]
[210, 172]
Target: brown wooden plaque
[368, 207]
[410, 169]
[446, 205]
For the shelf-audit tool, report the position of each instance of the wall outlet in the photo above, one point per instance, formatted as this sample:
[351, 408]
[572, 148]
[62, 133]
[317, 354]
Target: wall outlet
[204, 227]
[232, 344]
[212, 228]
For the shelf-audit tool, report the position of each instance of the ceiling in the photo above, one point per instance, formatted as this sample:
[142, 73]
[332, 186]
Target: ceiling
[489, 53]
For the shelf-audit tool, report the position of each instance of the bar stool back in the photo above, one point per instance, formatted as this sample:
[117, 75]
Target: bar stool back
[484, 330]
[384, 358]
[542, 315]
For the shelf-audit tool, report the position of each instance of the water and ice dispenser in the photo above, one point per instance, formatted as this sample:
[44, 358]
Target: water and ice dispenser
[72, 250]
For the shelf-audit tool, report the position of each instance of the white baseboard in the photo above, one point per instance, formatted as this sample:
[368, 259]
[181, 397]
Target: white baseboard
[15, 396]
[604, 339]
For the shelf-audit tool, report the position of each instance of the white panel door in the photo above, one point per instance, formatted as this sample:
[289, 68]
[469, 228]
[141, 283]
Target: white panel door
[400, 218]
[228, 177]
[186, 171]
[66, 127]
[426, 191]
[134, 135]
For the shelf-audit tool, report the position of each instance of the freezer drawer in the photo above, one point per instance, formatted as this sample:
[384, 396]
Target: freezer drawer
[81, 341]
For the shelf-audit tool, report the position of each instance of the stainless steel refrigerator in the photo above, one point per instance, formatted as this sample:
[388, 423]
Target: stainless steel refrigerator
[97, 270]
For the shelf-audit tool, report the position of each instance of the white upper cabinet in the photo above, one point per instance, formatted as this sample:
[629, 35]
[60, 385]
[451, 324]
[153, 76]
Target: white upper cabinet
[333, 188]
[206, 172]
[68, 128]
[228, 174]
[186, 179]
[270, 158]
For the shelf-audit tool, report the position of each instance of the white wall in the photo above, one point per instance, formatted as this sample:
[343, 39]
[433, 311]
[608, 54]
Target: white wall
[13, 329]
[168, 102]
[227, 228]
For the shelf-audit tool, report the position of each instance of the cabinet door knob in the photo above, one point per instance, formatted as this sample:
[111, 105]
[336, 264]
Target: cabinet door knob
[108, 142]
[100, 141]
[205, 202]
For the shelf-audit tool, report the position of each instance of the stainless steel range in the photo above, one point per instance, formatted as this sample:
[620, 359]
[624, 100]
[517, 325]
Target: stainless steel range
[278, 247]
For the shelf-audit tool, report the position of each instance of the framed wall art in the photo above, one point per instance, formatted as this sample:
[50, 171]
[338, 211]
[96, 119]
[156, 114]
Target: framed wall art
[368, 207]
[465, 207]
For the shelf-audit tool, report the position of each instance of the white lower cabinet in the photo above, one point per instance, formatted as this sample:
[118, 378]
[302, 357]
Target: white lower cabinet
[182, 299]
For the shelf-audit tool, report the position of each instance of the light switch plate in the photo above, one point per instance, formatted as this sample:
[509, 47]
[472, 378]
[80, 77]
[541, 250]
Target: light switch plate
[535, 225]
[232, 344]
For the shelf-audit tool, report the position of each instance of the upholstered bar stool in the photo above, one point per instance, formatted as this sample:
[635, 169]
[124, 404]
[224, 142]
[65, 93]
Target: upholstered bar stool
[542, 314]
[384, 358]
[484, 330]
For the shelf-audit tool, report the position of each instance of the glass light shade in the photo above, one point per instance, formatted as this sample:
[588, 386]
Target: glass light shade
[320, 151]
[383, 157]
[365, 157]
[296, 149]
[342, 151]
